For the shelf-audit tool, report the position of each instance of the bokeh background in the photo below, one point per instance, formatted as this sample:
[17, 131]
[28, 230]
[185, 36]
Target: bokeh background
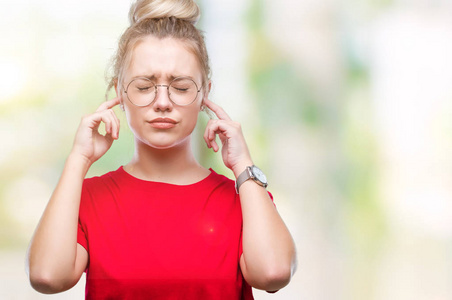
[345, 104]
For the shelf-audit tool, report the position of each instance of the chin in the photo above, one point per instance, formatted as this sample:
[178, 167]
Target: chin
[163, 143]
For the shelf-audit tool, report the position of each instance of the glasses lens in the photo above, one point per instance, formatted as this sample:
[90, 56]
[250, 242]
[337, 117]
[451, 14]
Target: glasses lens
[141, 91]
[183, 91]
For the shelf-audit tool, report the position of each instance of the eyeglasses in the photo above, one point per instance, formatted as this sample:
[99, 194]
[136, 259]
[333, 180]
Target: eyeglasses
[142, 91]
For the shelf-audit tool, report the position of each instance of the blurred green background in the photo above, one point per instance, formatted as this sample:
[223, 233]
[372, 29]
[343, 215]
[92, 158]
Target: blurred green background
[345, 104]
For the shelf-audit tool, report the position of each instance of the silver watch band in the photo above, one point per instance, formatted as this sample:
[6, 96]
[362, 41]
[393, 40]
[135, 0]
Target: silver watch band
[244, 176]
[249, 174]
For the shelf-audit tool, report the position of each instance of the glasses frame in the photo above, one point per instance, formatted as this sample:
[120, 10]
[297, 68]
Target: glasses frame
[156, 86]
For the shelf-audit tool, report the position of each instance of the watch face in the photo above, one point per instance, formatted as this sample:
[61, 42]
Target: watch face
[259, 174]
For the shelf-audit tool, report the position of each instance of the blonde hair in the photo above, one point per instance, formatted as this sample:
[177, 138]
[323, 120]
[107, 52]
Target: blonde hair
[161, 19]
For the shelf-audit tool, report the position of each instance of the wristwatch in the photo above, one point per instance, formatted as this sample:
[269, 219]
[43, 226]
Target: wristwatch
[253, 173]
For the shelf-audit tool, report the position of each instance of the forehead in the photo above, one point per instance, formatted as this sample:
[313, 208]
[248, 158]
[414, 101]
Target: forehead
[162, 58]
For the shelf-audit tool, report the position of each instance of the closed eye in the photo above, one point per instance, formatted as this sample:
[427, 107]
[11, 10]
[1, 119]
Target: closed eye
[143, 89]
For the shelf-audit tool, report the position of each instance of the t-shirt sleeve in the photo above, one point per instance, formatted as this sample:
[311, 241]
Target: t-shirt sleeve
[81, 238]
[81, 235]
[241, 244]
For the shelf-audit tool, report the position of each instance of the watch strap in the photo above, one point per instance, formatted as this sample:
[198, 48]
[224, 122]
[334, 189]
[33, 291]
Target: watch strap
[249, 173]
[244, 176]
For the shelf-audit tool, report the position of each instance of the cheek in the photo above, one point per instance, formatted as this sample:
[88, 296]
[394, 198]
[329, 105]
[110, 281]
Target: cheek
[133, 117]
[192, 118]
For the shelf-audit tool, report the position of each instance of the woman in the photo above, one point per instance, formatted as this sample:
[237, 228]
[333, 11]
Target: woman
[162, 226]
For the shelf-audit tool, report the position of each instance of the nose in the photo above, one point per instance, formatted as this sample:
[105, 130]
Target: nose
[162, 101]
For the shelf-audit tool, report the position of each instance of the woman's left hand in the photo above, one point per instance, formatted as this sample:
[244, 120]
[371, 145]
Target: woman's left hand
[234, 151]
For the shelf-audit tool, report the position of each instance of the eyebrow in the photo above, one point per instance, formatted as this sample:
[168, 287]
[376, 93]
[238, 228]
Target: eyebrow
[154, 78]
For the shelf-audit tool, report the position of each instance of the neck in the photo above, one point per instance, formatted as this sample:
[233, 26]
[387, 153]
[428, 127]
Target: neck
[174, 165]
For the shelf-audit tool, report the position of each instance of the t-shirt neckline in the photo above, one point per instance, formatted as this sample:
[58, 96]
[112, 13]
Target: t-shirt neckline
[136, 179]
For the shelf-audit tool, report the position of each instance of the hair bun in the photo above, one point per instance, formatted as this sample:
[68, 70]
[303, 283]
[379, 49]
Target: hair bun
[186, 10]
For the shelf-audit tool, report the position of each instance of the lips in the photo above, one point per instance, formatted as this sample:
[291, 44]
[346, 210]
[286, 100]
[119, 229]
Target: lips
[163, 123]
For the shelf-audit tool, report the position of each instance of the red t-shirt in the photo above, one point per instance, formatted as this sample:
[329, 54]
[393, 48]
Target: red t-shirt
[152, 240]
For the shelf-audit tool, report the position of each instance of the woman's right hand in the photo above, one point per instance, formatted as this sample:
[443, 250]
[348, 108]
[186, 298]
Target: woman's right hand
[55, 262]
[89, 143]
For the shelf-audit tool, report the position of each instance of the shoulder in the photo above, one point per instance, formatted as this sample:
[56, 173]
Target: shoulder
[107, 180]
[111, 175]
[98, 192]
[222, 181]
[220, 177]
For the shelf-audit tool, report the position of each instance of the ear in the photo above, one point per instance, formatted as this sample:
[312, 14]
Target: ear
[206, 96]
[117, 89]
[210, 86]
[118, 93]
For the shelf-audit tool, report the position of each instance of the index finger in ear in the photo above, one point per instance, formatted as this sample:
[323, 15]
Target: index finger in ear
[109, 104]
[221, 114]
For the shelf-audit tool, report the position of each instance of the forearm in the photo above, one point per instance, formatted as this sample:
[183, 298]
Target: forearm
[268, 260]
[268, 248]
[53, 248]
